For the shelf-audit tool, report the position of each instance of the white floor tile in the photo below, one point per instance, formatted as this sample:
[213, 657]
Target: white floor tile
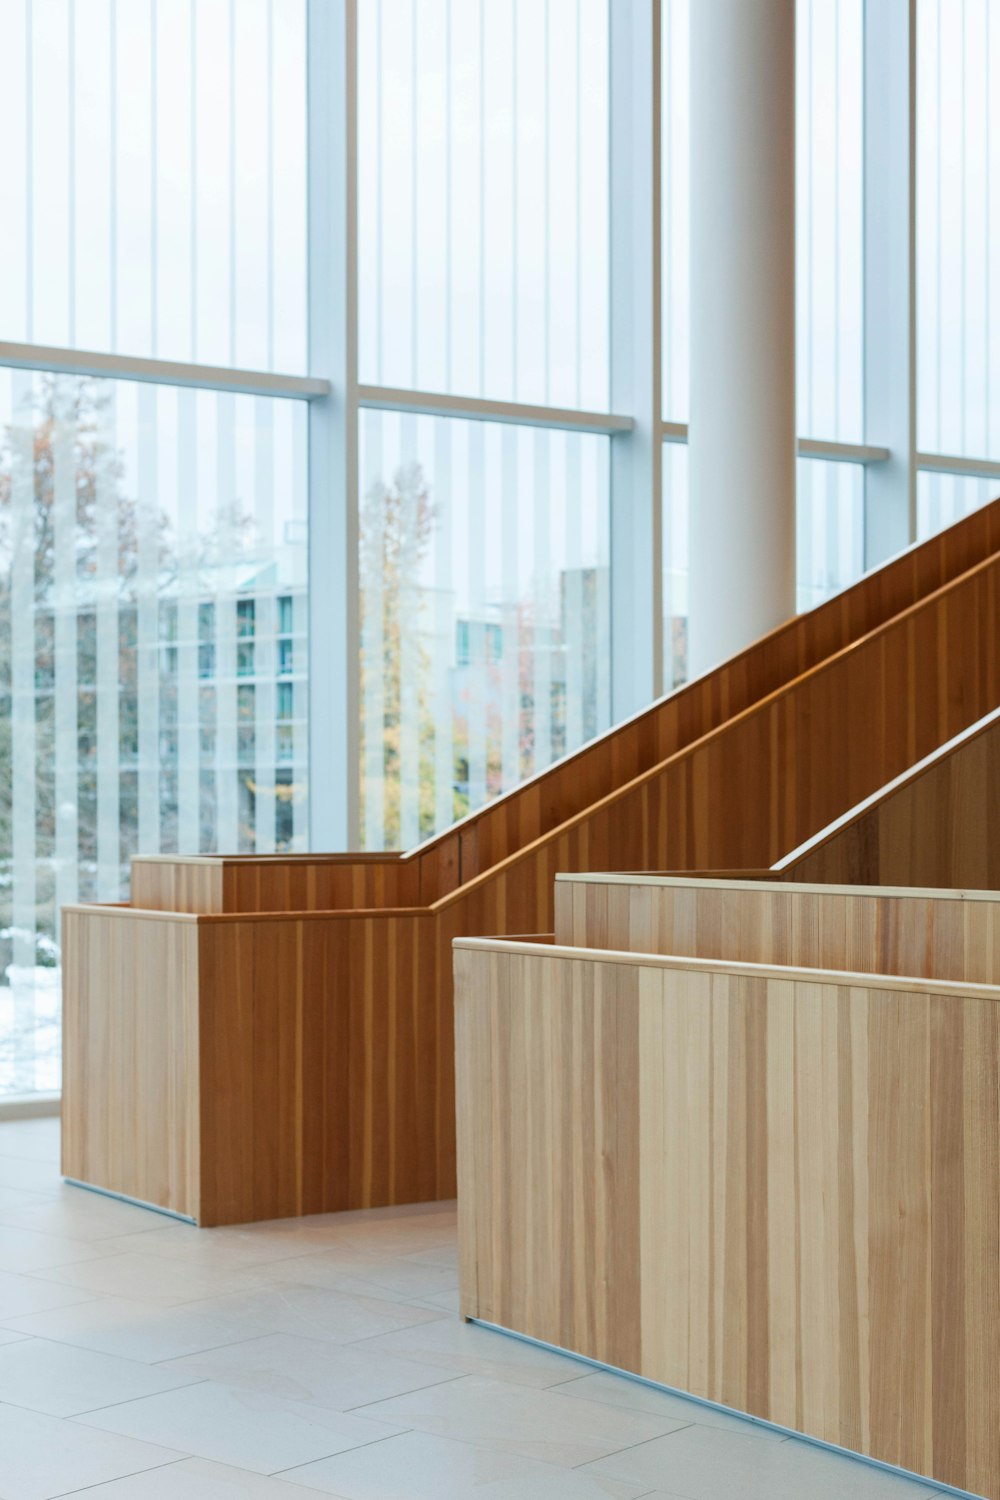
[37, 1140]
[348, 1269]
[479, 1351]
[514, 1419]
[36, 1176]
[706, 1463]
[232, 1248]
[195, 1479]
[14, 1199]
[44, 1456]
[338, 1376]
[79, 1214]
[419, 1467]
[63, 1381]
[315, 1312]
[150, 1278]
[27, 1294]
[618, 1391]
[27, 1250]
[134, 1330]
[239, 1427]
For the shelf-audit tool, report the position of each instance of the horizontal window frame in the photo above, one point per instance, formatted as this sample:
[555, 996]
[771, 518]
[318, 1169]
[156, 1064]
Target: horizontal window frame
[475, 408]
[57, 361]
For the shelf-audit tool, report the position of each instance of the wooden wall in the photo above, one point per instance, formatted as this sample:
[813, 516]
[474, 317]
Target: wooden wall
[871, 930]
[130, 1108]
[778, 1190]
[215, 884]
[740, 796]
[937, 825]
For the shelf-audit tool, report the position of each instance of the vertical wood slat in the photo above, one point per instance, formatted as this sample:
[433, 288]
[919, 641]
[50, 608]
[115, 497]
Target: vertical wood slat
[938, 825]
[924, 934]
[811, 1231]
[738, 797]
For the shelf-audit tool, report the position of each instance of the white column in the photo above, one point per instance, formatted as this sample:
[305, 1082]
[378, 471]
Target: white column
[742, 405]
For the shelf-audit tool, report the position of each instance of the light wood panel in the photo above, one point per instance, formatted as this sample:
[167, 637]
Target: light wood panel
[213, 884]
[776, 1189]
[926, 934]
[131, 1048]
[739, 797]
[938, 824]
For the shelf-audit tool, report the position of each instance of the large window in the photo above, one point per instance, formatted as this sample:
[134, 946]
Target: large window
[153, 563]
[154, 180]
[484, 618]
[274, 310]
[483, 273]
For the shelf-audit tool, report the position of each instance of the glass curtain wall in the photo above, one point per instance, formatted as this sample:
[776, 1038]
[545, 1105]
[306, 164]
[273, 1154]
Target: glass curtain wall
[483, 272]
[153, 538]
[958, 268]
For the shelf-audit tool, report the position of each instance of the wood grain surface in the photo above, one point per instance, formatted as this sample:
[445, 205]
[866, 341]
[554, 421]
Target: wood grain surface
[870, 929]
[739, 796]
[936, 825]
[776, 1189]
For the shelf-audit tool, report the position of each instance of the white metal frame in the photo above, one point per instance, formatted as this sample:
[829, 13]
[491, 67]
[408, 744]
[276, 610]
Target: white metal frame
[635, 426]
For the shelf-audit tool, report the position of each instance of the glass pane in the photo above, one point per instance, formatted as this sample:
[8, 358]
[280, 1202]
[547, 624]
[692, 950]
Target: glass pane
[829, 542]
[829, 241]
[137, 523]
[958, 227]
[483, 198]
[155, 177]
[829, 214]
[484, 613]
[944, 498]
[829, 529]
[675, 563]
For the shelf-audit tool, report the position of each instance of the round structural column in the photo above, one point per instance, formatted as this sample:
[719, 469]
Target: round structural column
[742, 404]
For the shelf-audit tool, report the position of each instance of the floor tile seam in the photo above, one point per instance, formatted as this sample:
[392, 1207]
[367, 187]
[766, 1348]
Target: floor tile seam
[128, 1359]
[630, 1447]
[133, 1400]
[279, 1333]
[132, 1474]
[231, 1344]
[491, 1448]
[63, 1307]
[340, 1453]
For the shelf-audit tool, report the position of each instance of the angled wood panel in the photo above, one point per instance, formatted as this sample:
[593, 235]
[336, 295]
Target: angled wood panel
[565, 790]
[936, 825]
[808, 1231]
[926, 934]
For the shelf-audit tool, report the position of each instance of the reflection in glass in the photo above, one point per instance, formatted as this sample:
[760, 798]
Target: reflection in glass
[139, 526]
[484, 613]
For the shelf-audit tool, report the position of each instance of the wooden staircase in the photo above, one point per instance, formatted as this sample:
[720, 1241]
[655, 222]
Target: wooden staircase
[258, 1037]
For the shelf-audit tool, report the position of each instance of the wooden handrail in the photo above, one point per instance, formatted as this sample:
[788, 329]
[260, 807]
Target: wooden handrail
[613, 760]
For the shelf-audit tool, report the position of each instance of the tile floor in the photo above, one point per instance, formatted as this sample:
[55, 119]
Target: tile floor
[141, 1359]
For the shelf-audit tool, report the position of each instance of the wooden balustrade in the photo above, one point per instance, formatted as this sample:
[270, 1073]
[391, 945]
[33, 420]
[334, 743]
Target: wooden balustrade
[777, 1189]
[926, 934]
[936, 825]
[740, 795]
[545, 802]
